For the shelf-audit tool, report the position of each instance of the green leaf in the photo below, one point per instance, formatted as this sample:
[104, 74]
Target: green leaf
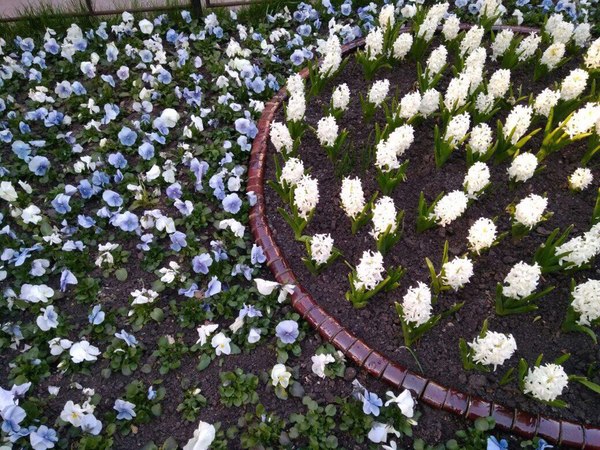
[121, 274]
[157, 314]
[205, 360]
[587, 383]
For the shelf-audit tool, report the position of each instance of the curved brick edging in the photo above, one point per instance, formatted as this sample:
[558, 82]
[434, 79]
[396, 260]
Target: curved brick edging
[562, 432]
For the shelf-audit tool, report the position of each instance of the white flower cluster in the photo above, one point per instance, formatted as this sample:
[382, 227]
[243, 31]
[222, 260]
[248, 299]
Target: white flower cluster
[296, 107]
[374, 43]
[481, 138]
[379, 91]
[559, 30]
[493, 349]
[522, 280]
[523, 167]
[592, 56]
[292, 171]
[384, 217]
[416, 304]
[332, 56]
[546, 382]
[530, 211]
[581, 249]
[545, 101]
[476, 179]
[457, 92]
[402, 45]
[327, 131]
[471, 40]
[450, 207]
[280, 137]
[474, 66]
[582, 34]
[528, 46]
[581, 179]
[352, 196]
[553, 55]
[502, 43]
[341, 97]
[517, 123]
[583, 120]
[499, 83]
[306, 195]
[369, 272]
[321, 247]
[451, 27]
[574, 84]
[586, 301]
[388, 151]
[437, 60]
[432, 20]
[409, 105]
[458, 127]
[482, 234]
[491, 8]
[430, 102]
[386, 16]
[457, 273]
[295, 84]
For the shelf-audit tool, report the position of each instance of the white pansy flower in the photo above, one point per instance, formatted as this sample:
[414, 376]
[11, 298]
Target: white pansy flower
[280, 376]
[319, 362]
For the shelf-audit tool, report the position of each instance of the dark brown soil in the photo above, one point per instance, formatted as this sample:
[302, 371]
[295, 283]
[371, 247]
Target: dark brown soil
[378, 324]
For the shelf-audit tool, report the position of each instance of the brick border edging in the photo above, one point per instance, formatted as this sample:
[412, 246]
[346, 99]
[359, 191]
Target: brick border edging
[561, 432]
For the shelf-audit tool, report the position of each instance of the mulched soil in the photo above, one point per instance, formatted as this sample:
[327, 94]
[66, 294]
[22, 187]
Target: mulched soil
[378, 324]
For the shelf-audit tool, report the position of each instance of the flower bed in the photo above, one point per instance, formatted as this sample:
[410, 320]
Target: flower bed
[437, 350]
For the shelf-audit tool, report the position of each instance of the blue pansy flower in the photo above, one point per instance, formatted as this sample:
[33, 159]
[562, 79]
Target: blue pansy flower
[127, 136]
[39, 165]
[125, 410]
[232, 203]
[96, 317]
[21, 149]
[129, 339]
[112, 198]
[146, 151]
[494, 444]
[66, 278]
[90, 424]
[117, 160]
[257, 256]
[174, 191]
[13, 415]
[126, 221]
[151, 393]
[43, 438]
[246, 127]
[201, 263]
[189, 292]
[178, 241]
[213, 288]
[61, 203]
[287, 331]
[371, 403]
